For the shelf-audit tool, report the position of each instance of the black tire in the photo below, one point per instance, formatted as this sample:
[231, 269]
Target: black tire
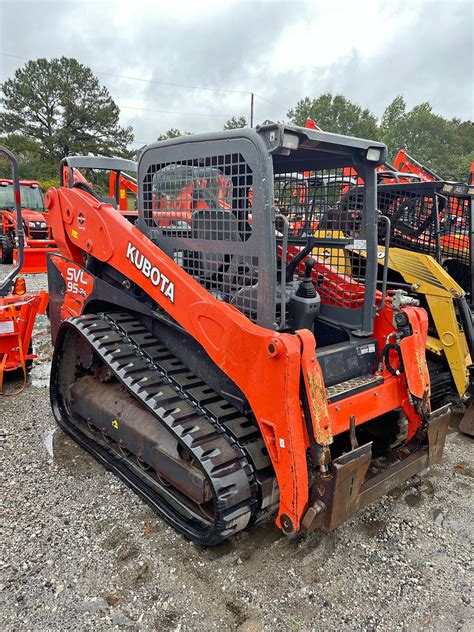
[6, 249]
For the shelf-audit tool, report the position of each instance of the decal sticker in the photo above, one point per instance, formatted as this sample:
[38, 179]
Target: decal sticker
[76, 281]
[7, 327]
[151, 272]
[78, 286]
[359, 244]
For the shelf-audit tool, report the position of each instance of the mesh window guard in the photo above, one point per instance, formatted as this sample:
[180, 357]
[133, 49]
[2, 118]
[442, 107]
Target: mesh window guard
[426, 220]
[325, 208]
[201, 210]
[243, 222]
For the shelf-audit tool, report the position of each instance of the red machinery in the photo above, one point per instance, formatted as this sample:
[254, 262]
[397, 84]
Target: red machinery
[404, 163]
[18, 309]
[37, 231]
[201, 188]
[126, 183]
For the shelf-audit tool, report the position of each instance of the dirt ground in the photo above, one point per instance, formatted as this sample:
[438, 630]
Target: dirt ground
[79, 551]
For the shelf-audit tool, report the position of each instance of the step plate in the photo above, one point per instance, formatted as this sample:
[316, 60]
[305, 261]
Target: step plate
[352, 387]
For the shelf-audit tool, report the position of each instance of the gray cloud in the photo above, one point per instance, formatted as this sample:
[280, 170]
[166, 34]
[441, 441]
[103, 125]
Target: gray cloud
[282, 51]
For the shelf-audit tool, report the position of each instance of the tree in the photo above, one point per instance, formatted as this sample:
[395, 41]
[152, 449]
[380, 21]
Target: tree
[172, 133]
[236, 122]
[445, 146]
[391, 126]
[61, 106]
[33, 164]
[336, 114]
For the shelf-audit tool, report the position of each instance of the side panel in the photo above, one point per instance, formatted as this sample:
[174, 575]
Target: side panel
[69, 287]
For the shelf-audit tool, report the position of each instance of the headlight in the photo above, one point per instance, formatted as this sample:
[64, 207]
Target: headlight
[373, 154]
[290, 141]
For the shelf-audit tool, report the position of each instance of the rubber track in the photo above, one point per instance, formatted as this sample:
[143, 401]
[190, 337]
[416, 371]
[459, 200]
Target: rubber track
[227, 445]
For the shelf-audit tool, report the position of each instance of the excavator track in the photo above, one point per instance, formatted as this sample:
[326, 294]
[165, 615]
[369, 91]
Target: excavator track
[220, 443]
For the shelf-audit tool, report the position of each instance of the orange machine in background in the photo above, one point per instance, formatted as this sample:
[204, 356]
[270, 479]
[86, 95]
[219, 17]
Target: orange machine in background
[35, 223]
[111, 175]
[126, 183]
[18, 308]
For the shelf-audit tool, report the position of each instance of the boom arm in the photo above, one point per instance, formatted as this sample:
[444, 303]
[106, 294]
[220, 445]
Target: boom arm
[406, 164]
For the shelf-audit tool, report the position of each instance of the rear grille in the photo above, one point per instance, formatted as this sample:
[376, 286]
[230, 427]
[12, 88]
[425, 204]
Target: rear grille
[39, 234]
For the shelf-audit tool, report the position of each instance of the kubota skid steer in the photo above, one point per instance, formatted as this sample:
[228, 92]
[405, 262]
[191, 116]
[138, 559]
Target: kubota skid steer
[18, 309]
[213, 364]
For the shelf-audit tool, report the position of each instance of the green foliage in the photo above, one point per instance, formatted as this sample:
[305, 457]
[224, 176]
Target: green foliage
[60, 106]
[236, 122]
[445, 146]
[47, 184]
[336, 114]
[172, 133]
[33, 164]
[390, 125]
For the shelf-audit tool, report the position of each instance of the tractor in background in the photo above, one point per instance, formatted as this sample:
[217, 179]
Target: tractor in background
[127, 187]
[38, 237]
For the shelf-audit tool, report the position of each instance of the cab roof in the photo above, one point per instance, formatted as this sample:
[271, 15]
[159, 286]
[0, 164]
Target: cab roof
[292, 147]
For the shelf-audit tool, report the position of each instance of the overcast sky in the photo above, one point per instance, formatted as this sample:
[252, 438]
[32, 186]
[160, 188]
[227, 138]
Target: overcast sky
[282, 51]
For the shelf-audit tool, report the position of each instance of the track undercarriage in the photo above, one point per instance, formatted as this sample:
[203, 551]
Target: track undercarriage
[203, 466]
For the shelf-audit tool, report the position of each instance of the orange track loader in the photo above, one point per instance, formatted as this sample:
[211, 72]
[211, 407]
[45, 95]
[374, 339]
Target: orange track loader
[125, 183]
[223, 364]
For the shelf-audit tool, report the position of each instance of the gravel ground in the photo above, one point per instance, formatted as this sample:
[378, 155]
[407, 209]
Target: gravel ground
[82, 552]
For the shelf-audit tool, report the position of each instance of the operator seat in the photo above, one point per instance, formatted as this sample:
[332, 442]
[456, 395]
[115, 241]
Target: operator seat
[213, 267]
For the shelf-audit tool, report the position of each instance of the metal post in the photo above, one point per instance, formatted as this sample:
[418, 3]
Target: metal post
[251, 109]
[6, 284]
